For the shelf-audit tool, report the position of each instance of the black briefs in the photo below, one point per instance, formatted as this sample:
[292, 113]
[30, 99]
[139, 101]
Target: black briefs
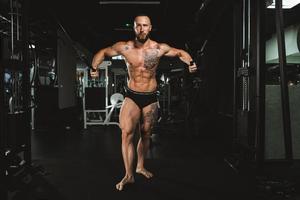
[142, 99]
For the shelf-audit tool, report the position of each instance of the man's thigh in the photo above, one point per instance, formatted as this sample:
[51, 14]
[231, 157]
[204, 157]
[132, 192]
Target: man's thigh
[129, 115]
[149, 115]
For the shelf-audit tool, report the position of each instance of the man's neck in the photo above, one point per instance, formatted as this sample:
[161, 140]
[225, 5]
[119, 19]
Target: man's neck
[139, 44]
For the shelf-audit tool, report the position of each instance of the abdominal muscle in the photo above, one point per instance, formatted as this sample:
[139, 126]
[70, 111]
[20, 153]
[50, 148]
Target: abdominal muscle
[142, 80]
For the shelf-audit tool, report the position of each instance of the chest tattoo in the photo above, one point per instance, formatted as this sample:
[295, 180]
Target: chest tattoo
[151, 58]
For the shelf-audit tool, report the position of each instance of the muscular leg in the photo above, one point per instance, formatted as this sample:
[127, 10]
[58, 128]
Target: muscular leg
[129, 117]
[149, 119]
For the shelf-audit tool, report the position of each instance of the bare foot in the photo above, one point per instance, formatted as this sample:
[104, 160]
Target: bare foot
[124, 181]
[144, 172]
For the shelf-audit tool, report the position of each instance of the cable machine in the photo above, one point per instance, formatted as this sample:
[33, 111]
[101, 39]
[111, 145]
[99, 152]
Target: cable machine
[100, 96]
[250, 84]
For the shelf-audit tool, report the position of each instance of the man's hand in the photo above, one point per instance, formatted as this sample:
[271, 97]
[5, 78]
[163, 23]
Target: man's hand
[192, 67]
[94, 73]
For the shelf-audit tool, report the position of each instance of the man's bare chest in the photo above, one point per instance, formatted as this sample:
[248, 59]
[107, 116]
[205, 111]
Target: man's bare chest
[147, 58]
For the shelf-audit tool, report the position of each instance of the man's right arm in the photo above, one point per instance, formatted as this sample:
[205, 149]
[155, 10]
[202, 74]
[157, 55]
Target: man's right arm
[114, 50]
[181, 54]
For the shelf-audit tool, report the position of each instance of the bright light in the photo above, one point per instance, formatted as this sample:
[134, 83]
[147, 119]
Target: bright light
[119, 57]
[286, 4]
[31, 46]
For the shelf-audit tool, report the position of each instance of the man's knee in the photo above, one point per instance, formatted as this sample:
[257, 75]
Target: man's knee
[147, 128]
[127, 133]
[145, 133]
[127, 128]
[146, 136]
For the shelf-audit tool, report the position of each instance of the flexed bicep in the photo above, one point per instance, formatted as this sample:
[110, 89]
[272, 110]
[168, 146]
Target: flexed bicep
[174, 52]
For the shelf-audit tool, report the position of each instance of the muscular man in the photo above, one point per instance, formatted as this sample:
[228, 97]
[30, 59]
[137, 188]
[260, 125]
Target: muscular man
[140, 104]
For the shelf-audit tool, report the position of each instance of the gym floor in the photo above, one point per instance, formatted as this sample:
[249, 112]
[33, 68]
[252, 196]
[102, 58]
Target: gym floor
[74, 164]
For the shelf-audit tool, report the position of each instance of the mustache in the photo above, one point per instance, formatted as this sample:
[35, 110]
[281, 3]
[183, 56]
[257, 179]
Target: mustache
[143, 39]
[143, 34]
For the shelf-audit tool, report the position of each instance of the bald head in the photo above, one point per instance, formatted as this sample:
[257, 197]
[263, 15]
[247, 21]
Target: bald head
[142, 28]
[142, 17]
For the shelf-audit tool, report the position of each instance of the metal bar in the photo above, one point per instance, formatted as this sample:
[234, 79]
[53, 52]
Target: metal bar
[83, 107]
[244, 27]
[17, 21]
[237, 62]
[12, 27]
[4, 19]
[96, 111]
[283, 82]
[245, 80]
[106, 90]
[3, 183]
[260, 81]
[26, 89]
[248, 52]
[202, 9]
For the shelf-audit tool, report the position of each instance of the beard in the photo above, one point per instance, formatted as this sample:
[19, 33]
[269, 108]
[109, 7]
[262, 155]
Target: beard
[142, 39]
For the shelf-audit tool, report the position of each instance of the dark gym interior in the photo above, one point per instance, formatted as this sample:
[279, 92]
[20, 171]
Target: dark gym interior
[231, 130]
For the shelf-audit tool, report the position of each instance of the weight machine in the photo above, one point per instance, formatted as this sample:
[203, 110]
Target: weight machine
[97, 102]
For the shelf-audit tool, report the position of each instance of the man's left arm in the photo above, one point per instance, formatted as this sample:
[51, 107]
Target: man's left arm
[181, 54]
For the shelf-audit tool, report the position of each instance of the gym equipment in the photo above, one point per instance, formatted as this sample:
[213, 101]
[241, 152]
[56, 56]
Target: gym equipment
[95, 98]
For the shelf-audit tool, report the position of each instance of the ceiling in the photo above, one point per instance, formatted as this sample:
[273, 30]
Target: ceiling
[96, 25]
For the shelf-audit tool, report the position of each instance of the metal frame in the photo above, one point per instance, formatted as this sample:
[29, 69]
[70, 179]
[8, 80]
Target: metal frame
[249, 80]
[108, 109]
[249, 39]
[283, 82]
[259, 57]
